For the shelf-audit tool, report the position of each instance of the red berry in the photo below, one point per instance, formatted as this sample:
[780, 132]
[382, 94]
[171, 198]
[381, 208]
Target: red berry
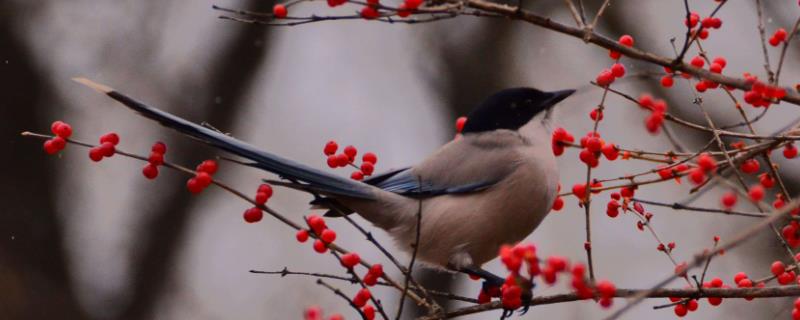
[701, 86]
[729, 200]
[786, 278]
[558, 204]
[150, 171]
[707, 163]
[193, 186]
[606, 288]
[614, 54]
[208, 166]
[402, 12]
[667, 81]
[605, 78]
[370, 157]
[62, 130]
[413, 4]
[618, 70]
[773, 41]
[328, 235]
[156, 159]
[159, 147]
[790, 151]
[367, 168]
[261, 198]
[715, 68]
[750, 166]
[739, 277]
[333, 161]
[350, 260]
[460, 122]
[369, 13]
[698, 61]
[59, 142]
[265, 188]
[108, 149]
[301, 235]
[342, 160]
[50, 147]
[626, 40]
[697, 176]
[579, 190]
[110, 137]
[780, 34]
[720, 61]
[766, 180]
[369, 312]
[777, 268]
[680, 310]
[692, 305]
[610, 151]
[279, 10]
[320, 246]
[351, 152]
[203, 179]
[756, 193]
[357, 175]
[316, 223]
[330, 148]
[54, 126]
[362, 297]
[370, 280]
[253, 215]
[96, 154]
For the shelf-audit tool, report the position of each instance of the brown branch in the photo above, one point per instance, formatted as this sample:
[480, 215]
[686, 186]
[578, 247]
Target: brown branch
[769, 292]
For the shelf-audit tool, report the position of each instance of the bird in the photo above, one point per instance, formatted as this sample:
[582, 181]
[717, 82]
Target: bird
[490, 186]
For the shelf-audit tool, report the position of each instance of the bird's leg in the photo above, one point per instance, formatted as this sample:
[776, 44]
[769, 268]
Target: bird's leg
[490, 280]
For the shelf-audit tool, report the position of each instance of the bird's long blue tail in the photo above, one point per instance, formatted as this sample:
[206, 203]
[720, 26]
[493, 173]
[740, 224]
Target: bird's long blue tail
[313, 179]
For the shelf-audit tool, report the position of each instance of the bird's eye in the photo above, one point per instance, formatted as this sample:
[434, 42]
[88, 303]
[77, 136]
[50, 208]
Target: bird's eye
[513, 105]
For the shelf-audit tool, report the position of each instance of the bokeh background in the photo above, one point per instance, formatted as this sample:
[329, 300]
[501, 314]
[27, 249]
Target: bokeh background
[84, 240]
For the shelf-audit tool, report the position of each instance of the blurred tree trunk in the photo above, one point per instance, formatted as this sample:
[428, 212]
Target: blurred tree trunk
[164, 232]
[34, 271]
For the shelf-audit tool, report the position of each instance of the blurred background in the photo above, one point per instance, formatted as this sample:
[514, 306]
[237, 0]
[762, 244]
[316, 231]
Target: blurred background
[84, 240]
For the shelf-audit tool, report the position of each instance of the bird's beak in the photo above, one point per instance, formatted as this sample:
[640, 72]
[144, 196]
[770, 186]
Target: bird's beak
[557, 96]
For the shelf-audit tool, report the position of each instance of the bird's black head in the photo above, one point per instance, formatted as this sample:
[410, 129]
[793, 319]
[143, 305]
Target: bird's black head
[511, 109]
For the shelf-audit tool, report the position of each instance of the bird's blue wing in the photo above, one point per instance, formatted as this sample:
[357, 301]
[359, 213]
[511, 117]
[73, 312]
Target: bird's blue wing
[403, 181]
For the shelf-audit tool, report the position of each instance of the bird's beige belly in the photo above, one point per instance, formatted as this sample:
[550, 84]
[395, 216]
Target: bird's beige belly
[471, 229]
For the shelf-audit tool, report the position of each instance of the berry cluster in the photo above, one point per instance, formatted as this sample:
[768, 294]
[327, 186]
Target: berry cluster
[561, 138]
[657, 108]
[62, 130]
[617, 70]
[323, 235]
[519, 256]
[202, 176]
[315, 313]
[347, 157]
[254, 214]
[107, 147]
[778, 37]
[369, 11]
[156, 158]
[706, 165]
[761, 94]
[594, 146]
[579, 189]
[700, 28]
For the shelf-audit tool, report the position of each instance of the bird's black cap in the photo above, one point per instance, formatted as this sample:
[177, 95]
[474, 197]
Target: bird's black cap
[511, 109]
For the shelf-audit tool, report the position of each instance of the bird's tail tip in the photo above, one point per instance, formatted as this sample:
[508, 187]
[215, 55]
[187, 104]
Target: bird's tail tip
[94, 85]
